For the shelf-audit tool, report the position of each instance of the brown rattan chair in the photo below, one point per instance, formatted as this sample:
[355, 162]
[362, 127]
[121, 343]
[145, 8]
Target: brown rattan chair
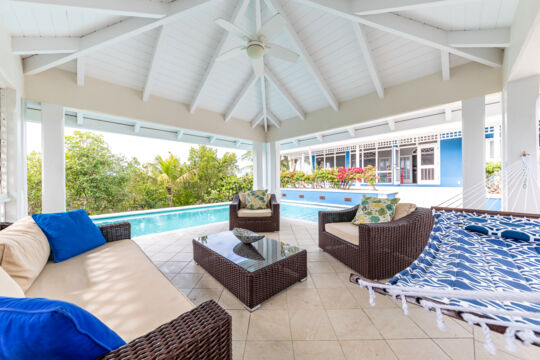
[258, 223]
[383, 249]
[205, 332]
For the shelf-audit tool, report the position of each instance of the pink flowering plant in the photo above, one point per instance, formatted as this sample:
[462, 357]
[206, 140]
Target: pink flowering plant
[342, 178]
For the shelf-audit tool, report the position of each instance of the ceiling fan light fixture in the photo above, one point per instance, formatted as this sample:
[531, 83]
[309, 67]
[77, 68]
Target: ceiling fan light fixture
[255, 51]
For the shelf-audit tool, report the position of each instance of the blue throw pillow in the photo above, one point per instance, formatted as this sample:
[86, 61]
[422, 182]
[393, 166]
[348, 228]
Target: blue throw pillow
[34, 328]
[504, 226]
[70, 233]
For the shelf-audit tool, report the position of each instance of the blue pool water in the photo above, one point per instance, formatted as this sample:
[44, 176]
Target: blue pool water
[167, 220]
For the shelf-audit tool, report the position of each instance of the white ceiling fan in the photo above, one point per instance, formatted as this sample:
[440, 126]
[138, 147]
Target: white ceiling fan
[256, 45]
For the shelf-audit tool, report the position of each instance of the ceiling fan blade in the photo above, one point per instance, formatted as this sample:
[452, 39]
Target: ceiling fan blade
[233, 29]
[232, 53]
[258, 66]
[281, 52]
[272, 27]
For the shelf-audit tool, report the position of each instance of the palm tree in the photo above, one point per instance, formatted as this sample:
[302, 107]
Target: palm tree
[247, 157]
[168, 171]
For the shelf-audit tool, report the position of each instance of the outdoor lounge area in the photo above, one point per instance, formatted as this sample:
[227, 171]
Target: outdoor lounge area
[269, 179]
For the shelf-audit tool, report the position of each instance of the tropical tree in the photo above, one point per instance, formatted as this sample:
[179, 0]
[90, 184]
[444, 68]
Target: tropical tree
[33, 177]
[168, 171]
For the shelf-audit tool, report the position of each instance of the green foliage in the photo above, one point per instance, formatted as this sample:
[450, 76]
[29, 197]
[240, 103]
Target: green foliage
[493, 168]
[341, 178]
[102, 182]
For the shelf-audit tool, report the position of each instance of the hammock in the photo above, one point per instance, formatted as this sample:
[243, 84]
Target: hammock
[487, 280]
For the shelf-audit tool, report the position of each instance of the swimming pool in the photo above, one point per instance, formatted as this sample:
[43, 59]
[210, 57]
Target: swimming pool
[151, 222]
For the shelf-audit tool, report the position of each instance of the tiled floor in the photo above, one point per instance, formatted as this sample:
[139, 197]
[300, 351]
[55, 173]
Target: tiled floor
[325, 317]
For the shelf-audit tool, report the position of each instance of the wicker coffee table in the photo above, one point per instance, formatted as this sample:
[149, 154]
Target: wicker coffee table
[253, 273]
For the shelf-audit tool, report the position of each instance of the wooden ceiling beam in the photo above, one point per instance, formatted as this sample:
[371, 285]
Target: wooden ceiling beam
[241, 95]
[361, 38]
[371, 7]
[272, 78]
[156, 58]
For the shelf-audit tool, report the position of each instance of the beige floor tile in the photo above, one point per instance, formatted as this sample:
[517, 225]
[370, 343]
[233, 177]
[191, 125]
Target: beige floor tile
[367, 350]
[276, 302]
[311, 325]
[172, 267]
[393, 324]
[362, 297]
[427, 320]
[414, 349]
[320, 267]
[193, 268]
[208, 282]
[306, 284]
[481, 353]
[268, 350]
[457, 349]
[182, 256]
[186, 281]
[198, 296]
[238, 349]
[329, 281]
[339, 267]
[337, 299]
[269, 325]
[303, 299]
[164, 256]
[317, 350]
[352, 324]
[240, 324]
[310, 247]
[229, 301]
[317, 256]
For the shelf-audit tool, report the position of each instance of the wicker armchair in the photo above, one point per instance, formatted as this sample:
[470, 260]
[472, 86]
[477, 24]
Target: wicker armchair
[205, 332]
[258, 223]
[383, 249]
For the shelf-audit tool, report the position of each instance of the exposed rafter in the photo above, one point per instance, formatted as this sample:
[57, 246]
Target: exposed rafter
[352, 132]
[274, 6]
[284, 93]
[408, 29]
[370, 7]
[499, 38]
[137, 128]
[158, 53]
[136, 8]
[257, 120]
[81, 70]
[238, 12]
[448, 114]
[264, 103]
[445, 65]
[39, 45]
[368, 58]
[273, 119]
[212, 139]
[179, 134]
[80, 118]
[251, 81]
[391, 125]
[121, 31]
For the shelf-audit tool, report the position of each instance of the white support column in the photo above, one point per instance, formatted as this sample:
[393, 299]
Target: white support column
[15, 176]
[258, 166]
[520, 134]
[310, 162]
[53, 166]
[473, 152]
[273, 168]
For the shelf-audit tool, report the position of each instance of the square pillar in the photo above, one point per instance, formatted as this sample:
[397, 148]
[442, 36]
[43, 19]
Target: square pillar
[520, 135]
[473, 153]
[53, 166]
[258, 166]
[273, 168]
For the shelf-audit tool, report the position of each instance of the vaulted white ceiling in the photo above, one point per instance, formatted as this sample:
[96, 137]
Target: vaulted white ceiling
[348, 48]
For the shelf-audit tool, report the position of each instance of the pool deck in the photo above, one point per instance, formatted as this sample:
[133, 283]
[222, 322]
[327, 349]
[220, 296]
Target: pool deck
[325, 317]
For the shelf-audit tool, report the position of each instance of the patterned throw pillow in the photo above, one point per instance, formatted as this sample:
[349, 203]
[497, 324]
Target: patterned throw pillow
[242, 197]
[505, 227]
[375, 210]
[256, 199]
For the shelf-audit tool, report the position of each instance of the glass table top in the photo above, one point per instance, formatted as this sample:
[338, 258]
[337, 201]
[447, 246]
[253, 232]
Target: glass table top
[251, 257]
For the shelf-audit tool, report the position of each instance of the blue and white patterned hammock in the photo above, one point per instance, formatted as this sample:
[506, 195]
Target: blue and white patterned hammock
[484, 279]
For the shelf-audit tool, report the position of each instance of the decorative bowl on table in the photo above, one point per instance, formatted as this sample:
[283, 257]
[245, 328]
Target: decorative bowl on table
[246, 236]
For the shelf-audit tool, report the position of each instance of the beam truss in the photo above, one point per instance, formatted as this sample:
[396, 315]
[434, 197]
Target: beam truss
[370, 7]
[81, 70]
[110, 35]
[368, 58]
[272, 78]
[241, 95]
[238, 12]
[408, 29]
[156, 57]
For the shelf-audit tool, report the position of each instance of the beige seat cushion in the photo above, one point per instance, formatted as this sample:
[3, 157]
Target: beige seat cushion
[254, 213]
[344, 230]
[402, 210]
[117, 283]
[24, 251]
[8, 286]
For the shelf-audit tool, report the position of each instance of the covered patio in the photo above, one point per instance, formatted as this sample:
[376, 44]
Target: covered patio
[272, 76]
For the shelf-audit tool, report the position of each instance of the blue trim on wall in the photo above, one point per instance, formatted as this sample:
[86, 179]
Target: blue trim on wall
[451, 159]
[331, 197]
[347, 159]
[313, 162]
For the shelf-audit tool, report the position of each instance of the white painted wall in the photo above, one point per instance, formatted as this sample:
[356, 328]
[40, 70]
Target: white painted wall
[473, 152]
[10, 65]
[53, 166]
[520, 134]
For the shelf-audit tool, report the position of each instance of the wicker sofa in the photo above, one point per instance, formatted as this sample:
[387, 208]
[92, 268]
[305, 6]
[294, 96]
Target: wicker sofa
[266, 220]
[119, 284]
[376, 251]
